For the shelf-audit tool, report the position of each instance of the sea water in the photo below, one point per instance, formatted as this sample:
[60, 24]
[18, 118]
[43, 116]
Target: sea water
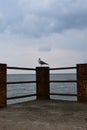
[30, 88]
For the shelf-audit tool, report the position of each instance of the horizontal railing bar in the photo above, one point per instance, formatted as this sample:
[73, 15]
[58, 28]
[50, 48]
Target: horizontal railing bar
[23, 96]
[62, 68]
[60, 81]
[20, 68]
[52, 81]
[63, 94]
[21, 82]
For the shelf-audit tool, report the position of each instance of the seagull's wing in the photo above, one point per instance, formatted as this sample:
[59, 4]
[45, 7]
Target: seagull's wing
[42, 62]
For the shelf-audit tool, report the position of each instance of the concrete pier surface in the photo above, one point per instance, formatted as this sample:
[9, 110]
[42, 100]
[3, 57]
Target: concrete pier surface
[44, 115]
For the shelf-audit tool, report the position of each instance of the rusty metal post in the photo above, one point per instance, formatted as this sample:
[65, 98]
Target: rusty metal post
[42, 79]
[82, 82]
[3, 101]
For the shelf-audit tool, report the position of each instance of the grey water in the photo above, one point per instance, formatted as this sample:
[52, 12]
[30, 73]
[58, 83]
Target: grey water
[30, 88]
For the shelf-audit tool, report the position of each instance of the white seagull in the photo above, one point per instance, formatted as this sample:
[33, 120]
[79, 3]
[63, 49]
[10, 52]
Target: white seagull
[42, 62]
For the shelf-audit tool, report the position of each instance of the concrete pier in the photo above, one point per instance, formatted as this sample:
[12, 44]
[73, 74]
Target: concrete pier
[44, 115]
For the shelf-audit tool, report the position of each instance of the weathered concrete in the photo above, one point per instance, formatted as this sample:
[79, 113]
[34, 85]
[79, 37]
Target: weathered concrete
[44, 115]
[42, 86]
[3, 92]
[82, 82]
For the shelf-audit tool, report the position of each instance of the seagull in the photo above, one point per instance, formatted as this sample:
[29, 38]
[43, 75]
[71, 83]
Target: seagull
[42, 62]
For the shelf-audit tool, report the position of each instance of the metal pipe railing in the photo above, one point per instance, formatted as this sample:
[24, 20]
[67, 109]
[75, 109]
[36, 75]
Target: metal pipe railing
[21, 82]
[63, 68]
[42, 82]
[22, 96]
[51, 81]
[63, 81]
[63, 94]
[20, 68]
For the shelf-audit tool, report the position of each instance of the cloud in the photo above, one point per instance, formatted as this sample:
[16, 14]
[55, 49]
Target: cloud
[44, 49]
[73, 39]
[37, 18]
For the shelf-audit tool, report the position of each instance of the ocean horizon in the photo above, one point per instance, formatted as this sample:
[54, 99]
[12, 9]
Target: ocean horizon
[30, 88]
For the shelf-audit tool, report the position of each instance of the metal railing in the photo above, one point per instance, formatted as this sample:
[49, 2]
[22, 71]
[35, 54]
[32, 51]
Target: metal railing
[50, 81]
[42, 83]
[21, 82]
[63, 68]
[63, 81]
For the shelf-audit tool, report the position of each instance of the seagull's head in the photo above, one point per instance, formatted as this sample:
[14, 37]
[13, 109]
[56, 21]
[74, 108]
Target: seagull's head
[39, 59]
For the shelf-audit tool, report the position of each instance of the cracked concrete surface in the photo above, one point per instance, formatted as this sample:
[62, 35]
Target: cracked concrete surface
[44, 115]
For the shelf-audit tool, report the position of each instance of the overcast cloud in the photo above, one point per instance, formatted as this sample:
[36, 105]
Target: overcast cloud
[55, 30]
[36, 18]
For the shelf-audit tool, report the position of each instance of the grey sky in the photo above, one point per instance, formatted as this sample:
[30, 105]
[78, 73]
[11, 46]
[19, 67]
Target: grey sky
[55, 30]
